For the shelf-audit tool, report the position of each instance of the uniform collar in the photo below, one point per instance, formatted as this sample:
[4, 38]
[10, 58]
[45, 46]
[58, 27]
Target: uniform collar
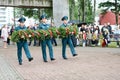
[22, 27]
[65, 25]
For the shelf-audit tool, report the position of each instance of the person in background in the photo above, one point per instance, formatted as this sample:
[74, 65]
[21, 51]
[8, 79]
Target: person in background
[22, 43]
[4, 35]
[67, 40]
[0, 33]
[45, 26]
[105, 33]
[97, 33]
[83, 27]
[92, 29]
[35, 27]
[8, 39]
[84, 38]
[29, 28]
[109, 28]
[89, 38]
[11, 31]
[117, 35]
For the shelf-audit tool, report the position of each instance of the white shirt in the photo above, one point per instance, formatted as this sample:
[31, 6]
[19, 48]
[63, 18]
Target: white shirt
[4, 32]
[117, 31]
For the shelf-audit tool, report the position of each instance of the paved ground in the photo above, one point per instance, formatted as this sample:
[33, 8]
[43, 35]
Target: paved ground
[90, 64]
[7, 71]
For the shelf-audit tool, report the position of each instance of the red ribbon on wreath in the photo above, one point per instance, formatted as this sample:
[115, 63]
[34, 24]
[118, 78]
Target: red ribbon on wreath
[57, 32]
[44, 33]
[51, 34]
[37, 33]
[67, 31]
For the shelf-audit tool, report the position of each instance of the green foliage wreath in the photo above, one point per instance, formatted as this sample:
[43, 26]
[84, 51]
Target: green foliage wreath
[60, 32]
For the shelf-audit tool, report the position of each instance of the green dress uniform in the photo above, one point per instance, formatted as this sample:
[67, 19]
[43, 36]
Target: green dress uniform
[45, 42]
[22, 43]
[66, 41]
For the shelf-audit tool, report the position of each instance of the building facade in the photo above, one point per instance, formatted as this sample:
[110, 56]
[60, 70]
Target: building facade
[6, 15]
[108, 17]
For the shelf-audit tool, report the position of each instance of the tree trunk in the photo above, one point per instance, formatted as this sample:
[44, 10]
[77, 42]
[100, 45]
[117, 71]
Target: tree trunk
[72, 7]
[94, 9]
[79, 10]
[39, 14]
[116, 12]
[83, 10]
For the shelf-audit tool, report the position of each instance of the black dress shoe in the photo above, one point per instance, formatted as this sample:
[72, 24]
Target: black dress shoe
[75, 54]
[52, 59]
[65, 58]
[45, 61]
[34, 45]
[30, 59]
[20, 63]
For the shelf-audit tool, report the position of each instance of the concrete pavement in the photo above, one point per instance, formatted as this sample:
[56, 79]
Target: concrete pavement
[92, 63]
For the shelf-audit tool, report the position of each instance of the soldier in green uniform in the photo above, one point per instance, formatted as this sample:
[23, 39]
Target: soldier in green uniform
[22, 43]
[67, 40]
[45, 26]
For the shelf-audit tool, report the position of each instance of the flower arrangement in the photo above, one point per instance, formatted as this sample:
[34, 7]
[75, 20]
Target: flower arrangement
[15, 37]
[30, 33]
[40, 34]
[63, 32]
[54, 31]
[68, 31]
[19, 35]
[60, 32]
[37, 35]
[73, 30]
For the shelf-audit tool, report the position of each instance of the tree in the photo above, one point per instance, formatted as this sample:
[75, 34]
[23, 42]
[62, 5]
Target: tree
[94, 9]
[33, 12]
[114, 6]
[82, 9]
[89, 15]
[84, 12]
[72, 8]
[18, 12]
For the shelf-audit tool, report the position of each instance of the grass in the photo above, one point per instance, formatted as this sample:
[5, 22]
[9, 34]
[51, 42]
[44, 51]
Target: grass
[112, 45]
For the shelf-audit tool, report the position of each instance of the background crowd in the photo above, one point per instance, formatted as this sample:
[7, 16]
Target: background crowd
[90, 35]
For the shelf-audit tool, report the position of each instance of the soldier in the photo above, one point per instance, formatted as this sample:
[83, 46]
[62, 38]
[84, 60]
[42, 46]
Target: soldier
[67, 40]
[22, 43]
[45, 26]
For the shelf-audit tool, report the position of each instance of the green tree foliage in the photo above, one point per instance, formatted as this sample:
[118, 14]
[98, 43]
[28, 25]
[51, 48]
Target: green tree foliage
[81, 9]
[114, 6]
[33, 12]
[89, 16]
[72, 9]
[77, 7]
[18, 12]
